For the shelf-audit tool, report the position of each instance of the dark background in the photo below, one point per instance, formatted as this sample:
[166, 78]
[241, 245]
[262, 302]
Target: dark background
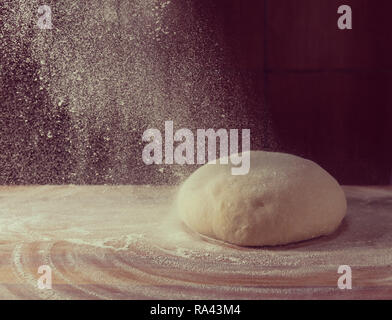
[329, 91]
[326, 93]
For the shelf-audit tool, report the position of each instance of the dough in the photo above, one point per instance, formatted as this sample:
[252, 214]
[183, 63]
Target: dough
[283, 199]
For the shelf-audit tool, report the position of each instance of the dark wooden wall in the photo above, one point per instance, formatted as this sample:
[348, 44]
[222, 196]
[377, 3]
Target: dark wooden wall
[329, 91]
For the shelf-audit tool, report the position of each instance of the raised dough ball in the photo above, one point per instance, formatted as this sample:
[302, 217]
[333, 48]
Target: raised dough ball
[283, 199]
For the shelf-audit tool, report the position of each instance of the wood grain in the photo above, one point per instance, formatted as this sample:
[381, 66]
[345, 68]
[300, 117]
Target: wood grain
[123, 242]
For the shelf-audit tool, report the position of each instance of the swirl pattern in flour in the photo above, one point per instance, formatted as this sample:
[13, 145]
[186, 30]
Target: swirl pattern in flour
[120, 242]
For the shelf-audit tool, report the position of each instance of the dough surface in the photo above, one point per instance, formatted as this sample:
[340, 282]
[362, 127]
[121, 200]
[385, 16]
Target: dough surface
[283, 199]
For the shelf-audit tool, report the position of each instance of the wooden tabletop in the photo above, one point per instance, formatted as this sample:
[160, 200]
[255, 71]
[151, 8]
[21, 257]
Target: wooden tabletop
[125, 242]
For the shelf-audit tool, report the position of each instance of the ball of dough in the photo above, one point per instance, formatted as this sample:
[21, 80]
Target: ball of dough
[283, 199]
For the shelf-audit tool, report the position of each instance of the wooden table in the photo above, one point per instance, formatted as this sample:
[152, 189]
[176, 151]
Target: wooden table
[109, 242]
